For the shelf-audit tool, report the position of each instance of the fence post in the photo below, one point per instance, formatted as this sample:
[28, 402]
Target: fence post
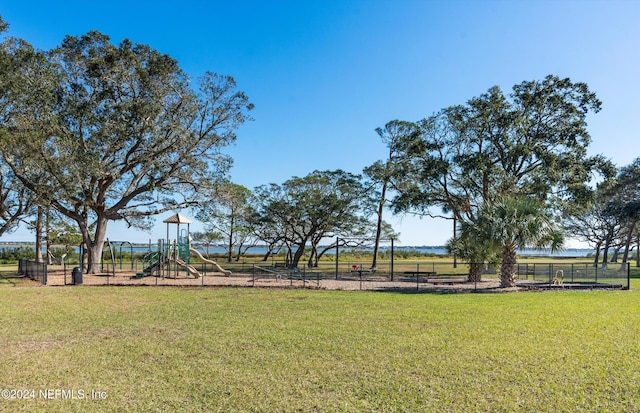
[392, 258]
[572, 272]
[628, 276]
[337, 255]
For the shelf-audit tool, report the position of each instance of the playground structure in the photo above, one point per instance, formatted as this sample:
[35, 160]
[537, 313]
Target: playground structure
[177, 252]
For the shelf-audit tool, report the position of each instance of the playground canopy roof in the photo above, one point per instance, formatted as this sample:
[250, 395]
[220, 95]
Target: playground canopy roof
[177, 219]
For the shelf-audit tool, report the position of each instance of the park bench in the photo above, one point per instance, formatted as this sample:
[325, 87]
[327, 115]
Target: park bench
[430, 277]
[443, 280]
[425, 273]
[418, 274]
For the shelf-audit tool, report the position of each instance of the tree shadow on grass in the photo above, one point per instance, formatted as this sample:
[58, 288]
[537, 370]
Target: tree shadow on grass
[446, 291]
[10, 279]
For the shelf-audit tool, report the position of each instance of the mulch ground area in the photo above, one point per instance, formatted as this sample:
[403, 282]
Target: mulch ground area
[59, 278]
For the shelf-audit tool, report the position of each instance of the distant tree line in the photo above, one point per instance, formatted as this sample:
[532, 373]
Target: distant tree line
[92, 132]
[13, 254]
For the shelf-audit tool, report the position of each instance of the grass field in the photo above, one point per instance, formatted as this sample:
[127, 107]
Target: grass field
[141, 349]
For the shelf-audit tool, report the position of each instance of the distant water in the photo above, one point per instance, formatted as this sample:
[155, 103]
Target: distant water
[437, 250]
[568, 252]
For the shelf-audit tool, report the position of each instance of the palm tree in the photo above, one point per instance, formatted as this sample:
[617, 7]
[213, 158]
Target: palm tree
[474, 251]
[511, 223]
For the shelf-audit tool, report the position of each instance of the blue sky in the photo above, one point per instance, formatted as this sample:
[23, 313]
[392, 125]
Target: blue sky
[324, 74]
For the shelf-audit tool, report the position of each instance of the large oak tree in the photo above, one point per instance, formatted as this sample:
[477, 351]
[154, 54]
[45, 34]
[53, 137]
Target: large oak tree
[316, 207]
[119, 132]
[531, 143]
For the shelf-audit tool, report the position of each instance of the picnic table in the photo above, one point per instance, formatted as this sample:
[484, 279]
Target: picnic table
[443, 280]
[430, 277]
[418, 273]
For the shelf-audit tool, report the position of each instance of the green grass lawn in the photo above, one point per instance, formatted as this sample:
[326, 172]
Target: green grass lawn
[267, 350]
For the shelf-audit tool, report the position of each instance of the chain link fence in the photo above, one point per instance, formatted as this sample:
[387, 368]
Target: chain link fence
[405, 275]
[36, 271]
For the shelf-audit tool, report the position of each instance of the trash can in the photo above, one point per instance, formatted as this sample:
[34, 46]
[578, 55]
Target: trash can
[76, 275]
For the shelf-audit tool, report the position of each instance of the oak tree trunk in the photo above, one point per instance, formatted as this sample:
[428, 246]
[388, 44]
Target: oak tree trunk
[39, 226]
[298, 254]
[94, 247]
[627, 247]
